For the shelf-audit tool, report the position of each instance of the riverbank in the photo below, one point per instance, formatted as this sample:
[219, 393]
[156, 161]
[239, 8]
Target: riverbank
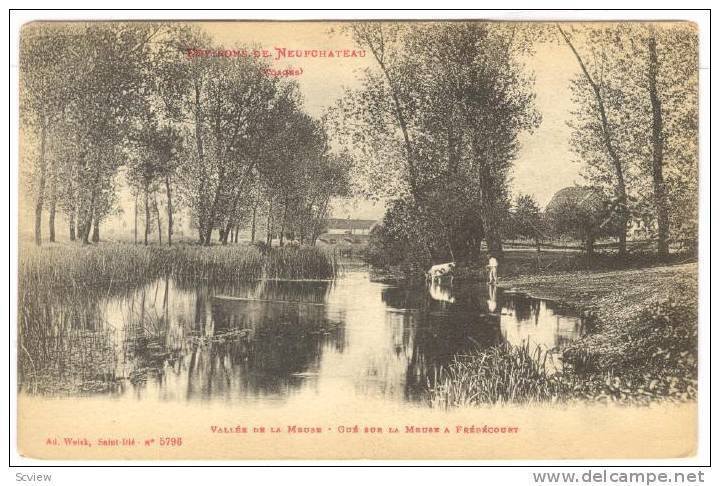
[640, 345]
[520, 264]
[608, 292]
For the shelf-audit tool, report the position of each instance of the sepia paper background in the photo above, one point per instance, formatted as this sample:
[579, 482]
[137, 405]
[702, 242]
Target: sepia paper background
[544, 432]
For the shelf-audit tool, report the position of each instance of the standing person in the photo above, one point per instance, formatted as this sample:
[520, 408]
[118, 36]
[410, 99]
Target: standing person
[492, 269]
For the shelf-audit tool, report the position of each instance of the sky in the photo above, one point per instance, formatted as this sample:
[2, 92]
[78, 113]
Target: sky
[545, 163]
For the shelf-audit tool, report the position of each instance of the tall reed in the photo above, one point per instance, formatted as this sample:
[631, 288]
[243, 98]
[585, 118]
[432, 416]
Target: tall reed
[116, 264]
[502, 374]
[61, 345]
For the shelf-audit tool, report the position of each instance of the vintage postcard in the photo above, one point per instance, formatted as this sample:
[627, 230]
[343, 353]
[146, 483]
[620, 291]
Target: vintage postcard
[358, 240]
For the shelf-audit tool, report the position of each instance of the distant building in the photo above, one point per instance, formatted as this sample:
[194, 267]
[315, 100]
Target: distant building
[338, 226]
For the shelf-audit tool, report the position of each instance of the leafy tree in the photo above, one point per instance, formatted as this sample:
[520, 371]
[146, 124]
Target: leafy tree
[598, 137]
[440, 128]
[45, 82]
[659, 67]
[526, 219]
[230, 102]
[636, 126]
[584, 213]
[153, 162]
[211, 135]
[397, 242]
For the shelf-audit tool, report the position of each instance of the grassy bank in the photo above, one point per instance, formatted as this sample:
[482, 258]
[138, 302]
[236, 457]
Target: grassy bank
[641, 347]
[517, 262]
[117, 263]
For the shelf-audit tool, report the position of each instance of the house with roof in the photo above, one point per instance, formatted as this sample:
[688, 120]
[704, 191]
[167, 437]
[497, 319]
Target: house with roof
[339, 226]
[348, 235]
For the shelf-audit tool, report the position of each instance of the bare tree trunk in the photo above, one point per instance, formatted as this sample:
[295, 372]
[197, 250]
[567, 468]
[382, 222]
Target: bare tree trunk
[213, 209]
[252, 228]
[41, 185]
[90, 210]
[87, 225]
[269, 225]
[225, 231]
[53, 200]
[169, 210]
[282, 225]
[51, 223]
[96, 230]
[157, 215]
[136, 217]
[147, 213]
[589, 249]
[71, 222]
[661, 203]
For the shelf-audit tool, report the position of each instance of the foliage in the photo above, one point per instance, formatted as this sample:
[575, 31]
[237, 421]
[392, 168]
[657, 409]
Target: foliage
[398, 242]
[583, 213]
[406, 240]
[526, 220]
[439, 132]
[646, 78]
[213, 135]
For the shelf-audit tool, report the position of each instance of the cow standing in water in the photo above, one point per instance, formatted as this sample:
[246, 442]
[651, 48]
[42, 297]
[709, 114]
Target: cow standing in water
[437, 272]
[434, 276]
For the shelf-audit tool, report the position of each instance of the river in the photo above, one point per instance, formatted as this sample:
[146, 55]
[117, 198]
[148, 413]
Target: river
[269, 341]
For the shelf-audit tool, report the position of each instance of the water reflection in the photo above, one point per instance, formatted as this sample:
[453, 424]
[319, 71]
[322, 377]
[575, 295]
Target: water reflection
[440, 292]
[492, 298]
[540, 322]
[271, 341]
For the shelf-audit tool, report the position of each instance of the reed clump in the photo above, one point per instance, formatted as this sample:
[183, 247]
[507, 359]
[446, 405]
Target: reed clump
[297, 262]
[116, 264]
[503, 374]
